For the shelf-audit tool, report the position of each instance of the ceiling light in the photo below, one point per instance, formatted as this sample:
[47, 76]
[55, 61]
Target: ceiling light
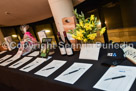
[14, 36]
[47, 31]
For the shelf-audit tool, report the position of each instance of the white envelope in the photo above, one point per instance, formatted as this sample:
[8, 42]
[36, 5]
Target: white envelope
[89, 51]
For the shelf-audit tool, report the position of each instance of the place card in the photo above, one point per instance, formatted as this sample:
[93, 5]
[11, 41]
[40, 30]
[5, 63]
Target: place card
[89, 51]
[4, 58]
[34, 54]
[34, 64]
[73, 73]
[2, 52]
[50, 68]
[130, 53]
[14, 58]
[20, 62]
[119, 78]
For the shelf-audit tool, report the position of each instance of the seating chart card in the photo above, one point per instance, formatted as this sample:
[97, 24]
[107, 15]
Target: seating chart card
[34, 64]
[50, 68]
[14, 58]
[89, 51]
[20, 62]
[130, 53]
[4, 58]
[34, 54]
[119, 78]
[73, 73]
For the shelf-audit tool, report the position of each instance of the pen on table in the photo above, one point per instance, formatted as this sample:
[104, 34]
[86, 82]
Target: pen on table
[73, 71]
[16, 64]
[30, 66]
[115, 77]
[27, 67]
[48, 68]
[9, 60]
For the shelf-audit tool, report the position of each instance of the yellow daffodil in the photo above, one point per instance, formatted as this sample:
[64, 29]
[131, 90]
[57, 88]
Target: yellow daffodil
[102, 31]
[88, 26]
[92, 36]
[79, 34]
[79, 38]
[86, 29]
[85, 40]
[81, 23]
[74, 36]
[92, 25]
[92, 18]
[82, 31]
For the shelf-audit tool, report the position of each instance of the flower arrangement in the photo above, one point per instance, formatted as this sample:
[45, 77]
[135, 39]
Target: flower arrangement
[86, 29]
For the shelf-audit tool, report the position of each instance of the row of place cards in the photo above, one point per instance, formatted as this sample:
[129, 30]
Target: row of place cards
[20, 62]
[12, 59]
[34, 64]
[71, 75]
[4, 58]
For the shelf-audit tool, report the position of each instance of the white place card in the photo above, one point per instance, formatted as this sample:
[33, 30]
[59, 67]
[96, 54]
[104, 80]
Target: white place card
[2, 52]
[14, 58]
[50, 68]
[89, 51]
[4, 58]
[34, 64]
[119, 78]
[130, 53]
[20, 62]
[34, 54]
[73, 73]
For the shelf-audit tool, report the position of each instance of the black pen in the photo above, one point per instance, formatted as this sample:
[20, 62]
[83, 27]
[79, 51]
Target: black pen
[48, 68]
[16, 64]
[9, 60]
[115, 77]
[73, 71]
[28, 67]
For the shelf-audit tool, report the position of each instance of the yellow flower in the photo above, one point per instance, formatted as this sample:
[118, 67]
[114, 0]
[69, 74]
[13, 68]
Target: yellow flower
[88, 26]
[92, 17]
[85, 40]
[92, 36]
[81, 23]
[102, 31]
[82, 31]
[92, 25]
[79, 38]
[73, 36]
[79, 34]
